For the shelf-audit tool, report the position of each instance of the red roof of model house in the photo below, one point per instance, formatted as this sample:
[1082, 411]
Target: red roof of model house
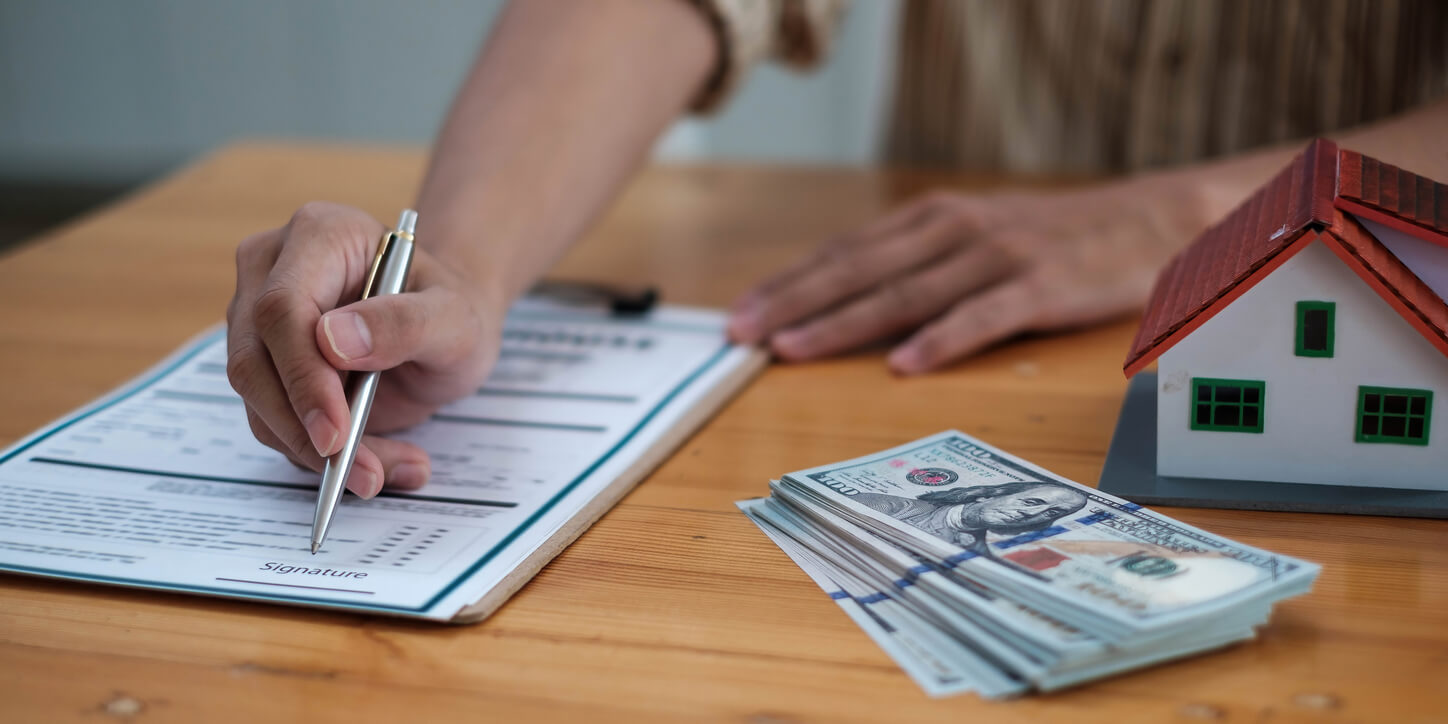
[1313, 198]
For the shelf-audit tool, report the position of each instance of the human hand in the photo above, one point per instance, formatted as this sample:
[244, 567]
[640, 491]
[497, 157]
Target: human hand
[294, 322]
[960, 272]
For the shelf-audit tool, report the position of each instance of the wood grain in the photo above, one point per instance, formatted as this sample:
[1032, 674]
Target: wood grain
[672, 607]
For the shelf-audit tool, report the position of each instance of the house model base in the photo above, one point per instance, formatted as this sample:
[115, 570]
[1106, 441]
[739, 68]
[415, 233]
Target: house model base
[1130, 473]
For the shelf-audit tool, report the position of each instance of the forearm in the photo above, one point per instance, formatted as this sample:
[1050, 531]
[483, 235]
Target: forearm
[561, 106]
[1416, 140]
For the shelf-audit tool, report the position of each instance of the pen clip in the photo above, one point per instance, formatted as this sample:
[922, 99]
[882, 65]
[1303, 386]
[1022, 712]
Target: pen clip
[382, 247]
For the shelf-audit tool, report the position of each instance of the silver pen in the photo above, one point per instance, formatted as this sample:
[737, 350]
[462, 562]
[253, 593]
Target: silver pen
[387, 276]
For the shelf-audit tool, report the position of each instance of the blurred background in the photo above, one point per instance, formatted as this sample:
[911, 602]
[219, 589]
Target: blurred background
[99, 96]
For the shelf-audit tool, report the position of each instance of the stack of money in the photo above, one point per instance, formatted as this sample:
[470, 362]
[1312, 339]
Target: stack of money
[980, 572]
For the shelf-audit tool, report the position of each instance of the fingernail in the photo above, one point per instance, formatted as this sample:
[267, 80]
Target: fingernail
[409, 475]
[322, 432]
[364, 483]
[348, 335]
[789, 345]
[905, 360]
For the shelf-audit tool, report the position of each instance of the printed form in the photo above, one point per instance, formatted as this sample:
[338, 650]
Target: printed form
[162, 485]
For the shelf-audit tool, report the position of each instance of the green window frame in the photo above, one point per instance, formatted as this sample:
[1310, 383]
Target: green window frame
[1223, 405]
[1398, 415]
[1316, 322]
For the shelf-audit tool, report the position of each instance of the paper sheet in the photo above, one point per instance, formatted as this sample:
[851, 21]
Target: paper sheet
[161, 484]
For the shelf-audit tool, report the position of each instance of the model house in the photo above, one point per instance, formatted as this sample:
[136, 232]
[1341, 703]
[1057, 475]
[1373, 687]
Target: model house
[1304, 338]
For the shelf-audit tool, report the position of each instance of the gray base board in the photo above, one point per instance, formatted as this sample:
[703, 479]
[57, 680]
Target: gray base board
[1130, 472]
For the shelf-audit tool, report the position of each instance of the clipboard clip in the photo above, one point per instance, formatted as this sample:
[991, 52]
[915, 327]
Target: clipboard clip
[620, 301]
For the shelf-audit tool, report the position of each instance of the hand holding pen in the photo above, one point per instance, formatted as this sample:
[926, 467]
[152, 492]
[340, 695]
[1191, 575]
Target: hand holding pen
[295, 325]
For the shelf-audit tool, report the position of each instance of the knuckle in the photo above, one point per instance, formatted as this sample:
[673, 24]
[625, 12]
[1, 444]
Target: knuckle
[297, 441]
[899, 297]
[838, 335]
[250, 247]
[789, 298]
[272, 308]
[259, 430]
[398, 325]
[295, 373]
[312, 213]
[792, 304]
[242, 369]
[835, 250]
[330, 224]
[842, 243]
[1002, 318]
[848, 263]
[991, 317]
[412, 317]
[960, 223]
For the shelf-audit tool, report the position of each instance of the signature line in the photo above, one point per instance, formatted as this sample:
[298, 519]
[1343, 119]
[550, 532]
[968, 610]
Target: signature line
[293, 585]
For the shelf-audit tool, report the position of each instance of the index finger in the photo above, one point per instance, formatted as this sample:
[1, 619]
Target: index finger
[841, 276]
[320, 262]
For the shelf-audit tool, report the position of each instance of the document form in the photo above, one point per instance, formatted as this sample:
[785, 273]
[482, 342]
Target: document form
[161, 484]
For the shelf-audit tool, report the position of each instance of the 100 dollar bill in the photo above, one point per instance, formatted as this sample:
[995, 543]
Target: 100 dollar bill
[1090, 558]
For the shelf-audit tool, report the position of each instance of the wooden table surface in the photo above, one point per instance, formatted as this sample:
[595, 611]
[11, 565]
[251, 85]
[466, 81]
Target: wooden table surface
[673, 607]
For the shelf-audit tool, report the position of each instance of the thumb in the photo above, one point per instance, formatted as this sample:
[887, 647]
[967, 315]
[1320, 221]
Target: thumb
[434, 328]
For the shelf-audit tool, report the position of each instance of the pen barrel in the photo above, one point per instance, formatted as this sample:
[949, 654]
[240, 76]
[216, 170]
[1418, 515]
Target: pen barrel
[361, 388]
[392, 269]
[390, 277]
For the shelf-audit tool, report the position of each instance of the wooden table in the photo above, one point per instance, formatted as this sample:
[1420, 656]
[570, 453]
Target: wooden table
[673, 606]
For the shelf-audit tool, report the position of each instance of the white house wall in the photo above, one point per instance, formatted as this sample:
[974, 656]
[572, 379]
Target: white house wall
[1310, 411]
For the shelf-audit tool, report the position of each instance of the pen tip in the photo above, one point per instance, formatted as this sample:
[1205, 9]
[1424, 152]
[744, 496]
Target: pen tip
[315, 546]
